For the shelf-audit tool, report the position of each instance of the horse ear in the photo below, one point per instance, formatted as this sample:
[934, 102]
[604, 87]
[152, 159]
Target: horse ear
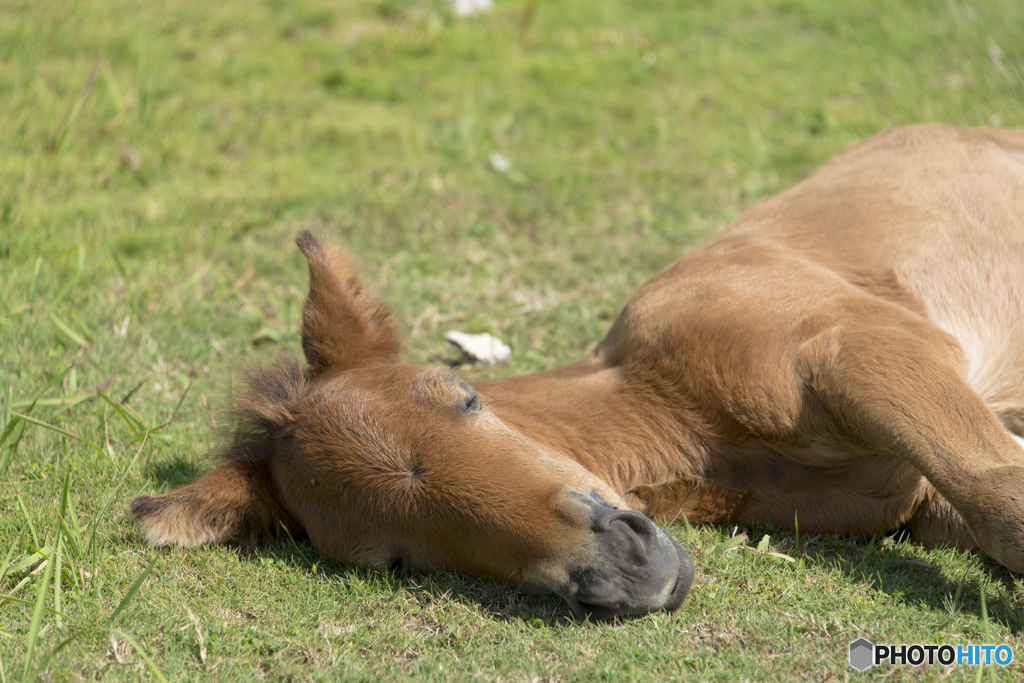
[342, 325]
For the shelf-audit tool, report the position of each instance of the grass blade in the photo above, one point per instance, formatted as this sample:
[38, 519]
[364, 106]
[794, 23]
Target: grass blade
[57, 379]
[23, 601]
[11, 423]
[34, 287]
[120, 268]
[174, 414]
[73, 532]
[37, 615]
[73, 514]
[57, 429]
[113, 89]
[31, 560]
[7, 563]
[5, 462]
[61, 295]
[110, 498]
[68, 401]
[781, 556]
[53, 653]
[134, 589]
[86, 332]
[24, 582]
[28, 520]
[68, 332]
[796, 532]
[62, 138]
[985, 630]
[954, 608]
[868, 552]
[69, 535]
[63, 401]
[689, 533]
[722, 548]
[12, 419]
[7, 407]
[58, 554]
[142, 653]
[134, 424]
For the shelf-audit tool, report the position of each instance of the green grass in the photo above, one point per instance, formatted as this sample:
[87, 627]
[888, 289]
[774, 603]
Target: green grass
[156, 161]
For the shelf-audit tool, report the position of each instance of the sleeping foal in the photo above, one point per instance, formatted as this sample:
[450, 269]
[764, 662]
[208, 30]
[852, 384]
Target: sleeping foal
[850, 353]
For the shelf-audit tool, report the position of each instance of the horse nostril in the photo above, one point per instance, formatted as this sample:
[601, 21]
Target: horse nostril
[635, 521]
[633, 535]
[632, 567]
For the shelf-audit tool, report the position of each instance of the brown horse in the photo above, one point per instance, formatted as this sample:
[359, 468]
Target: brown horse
[850, 353]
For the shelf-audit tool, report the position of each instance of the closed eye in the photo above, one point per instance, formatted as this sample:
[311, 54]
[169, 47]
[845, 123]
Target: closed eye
[470, 401]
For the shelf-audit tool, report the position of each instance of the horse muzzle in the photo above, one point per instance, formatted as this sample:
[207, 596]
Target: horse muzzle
[629, 566]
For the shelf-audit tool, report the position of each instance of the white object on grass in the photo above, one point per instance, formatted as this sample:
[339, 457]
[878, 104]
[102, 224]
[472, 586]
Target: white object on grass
[465, 8]
[500, 162]
[479, 348]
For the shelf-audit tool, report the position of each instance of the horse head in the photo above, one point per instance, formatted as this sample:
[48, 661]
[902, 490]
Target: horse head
[395, 466]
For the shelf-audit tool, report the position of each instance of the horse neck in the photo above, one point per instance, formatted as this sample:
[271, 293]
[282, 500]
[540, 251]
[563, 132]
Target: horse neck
[622, 428]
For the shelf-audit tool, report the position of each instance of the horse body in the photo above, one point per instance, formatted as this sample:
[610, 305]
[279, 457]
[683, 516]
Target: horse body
[849, 354]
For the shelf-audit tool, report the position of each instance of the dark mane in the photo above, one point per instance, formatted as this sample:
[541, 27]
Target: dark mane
[261, 410]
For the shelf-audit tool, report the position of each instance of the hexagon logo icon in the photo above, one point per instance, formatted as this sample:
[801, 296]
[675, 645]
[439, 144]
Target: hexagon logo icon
[862, 654]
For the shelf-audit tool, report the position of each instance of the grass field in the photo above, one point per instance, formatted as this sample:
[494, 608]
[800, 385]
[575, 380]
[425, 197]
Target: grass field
[156, 162]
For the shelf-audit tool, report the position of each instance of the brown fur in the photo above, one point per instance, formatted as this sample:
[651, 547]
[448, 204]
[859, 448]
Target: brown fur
[850, 352]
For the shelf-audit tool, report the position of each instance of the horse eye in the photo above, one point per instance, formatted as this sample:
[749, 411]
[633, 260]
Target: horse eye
[471, 402]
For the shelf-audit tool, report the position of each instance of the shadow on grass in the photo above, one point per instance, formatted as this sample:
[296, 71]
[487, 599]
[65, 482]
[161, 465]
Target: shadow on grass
[174, 472]
[891, 565]
[893, 568]
[500, 603]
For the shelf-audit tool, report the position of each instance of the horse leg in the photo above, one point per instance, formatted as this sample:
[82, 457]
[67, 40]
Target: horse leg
[238, 502]
[900, 389]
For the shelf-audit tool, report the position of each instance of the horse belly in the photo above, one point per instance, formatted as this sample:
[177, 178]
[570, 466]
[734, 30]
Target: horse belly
[862, 497]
